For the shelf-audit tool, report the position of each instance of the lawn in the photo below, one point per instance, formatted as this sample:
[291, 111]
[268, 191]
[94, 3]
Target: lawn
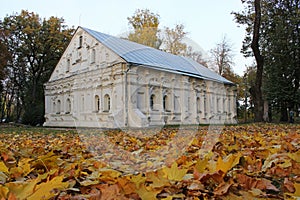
[255, 161]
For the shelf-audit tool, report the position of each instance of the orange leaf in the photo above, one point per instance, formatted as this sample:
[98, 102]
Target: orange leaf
[3, 192]
[223, 188]
[127, 186]
[289, 185]
[109, 192]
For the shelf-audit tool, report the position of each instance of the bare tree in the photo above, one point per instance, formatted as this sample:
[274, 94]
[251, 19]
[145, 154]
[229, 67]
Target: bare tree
[222, 56]
[196, 56]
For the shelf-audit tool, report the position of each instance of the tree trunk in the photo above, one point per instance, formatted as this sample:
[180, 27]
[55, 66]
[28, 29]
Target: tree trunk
[283, 113]
[256, 90]
[266, 111]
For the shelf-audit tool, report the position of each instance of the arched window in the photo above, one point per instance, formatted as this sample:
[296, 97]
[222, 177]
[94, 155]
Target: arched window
[205, 106]
[80, 42]
[106, 103]
[177, 103]
[68, 65]
[198, 105]
[152, 101]
[229, 105]
[93, 56]
[97, 103]
[68, 106]
[166, 106]
[58, 107]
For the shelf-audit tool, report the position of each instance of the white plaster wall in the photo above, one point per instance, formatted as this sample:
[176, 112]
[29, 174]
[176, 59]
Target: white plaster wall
[85, 78]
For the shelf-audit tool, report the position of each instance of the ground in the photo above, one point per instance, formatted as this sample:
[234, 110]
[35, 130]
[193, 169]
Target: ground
[260, 161]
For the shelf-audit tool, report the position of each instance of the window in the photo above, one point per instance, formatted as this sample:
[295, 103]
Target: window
[223, 106]
[166, 106]
[68, 106]
[97, 103]
[58, 107]
[82, 103]
[93, 56]
[198, 105]
[68, 65]
[229, 104]
[177, 103]
[152, 99]
[218, 104]
[106, 103]
[205, 104]
[80, 42]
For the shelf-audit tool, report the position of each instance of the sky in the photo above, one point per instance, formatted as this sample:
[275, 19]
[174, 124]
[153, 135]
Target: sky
[206, 21]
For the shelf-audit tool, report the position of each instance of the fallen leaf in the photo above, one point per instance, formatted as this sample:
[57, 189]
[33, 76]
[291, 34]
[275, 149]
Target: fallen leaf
[297, 190]
[138, 180]
[295, 156]
[250, 183]
[109, 192]
[223, 188]
[201, 164]
[22, 190]
[157, 178]
[147, 193]
[127, 186]
[3, 167]
[228, 162]
[174, 173]
[46, 190]
[289, 185]
[3, 192]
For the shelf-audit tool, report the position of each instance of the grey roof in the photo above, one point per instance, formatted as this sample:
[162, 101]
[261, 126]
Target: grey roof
[138, 54]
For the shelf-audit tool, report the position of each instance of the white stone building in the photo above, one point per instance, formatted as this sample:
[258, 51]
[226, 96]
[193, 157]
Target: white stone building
[105, 81]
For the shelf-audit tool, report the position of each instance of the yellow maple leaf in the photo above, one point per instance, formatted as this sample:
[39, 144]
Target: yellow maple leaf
[147, 193]
[157, 179]
[3, 167]
[174, 173]
[25, 166]
[201, 165]
[138, 180]
[229, 162]
[297, 189]
[109, 175]
[21, 189]
[45, 190]
[295, 156]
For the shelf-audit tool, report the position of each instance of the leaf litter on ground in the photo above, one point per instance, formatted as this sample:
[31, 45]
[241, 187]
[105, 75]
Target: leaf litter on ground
[260, 161]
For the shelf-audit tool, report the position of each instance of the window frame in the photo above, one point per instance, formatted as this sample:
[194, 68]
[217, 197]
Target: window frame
[107, 103]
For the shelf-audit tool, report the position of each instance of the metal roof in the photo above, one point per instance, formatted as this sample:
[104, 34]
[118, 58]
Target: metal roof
[138, 54]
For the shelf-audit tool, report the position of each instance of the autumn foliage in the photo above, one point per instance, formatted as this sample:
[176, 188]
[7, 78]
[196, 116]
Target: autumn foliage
[244, 162]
